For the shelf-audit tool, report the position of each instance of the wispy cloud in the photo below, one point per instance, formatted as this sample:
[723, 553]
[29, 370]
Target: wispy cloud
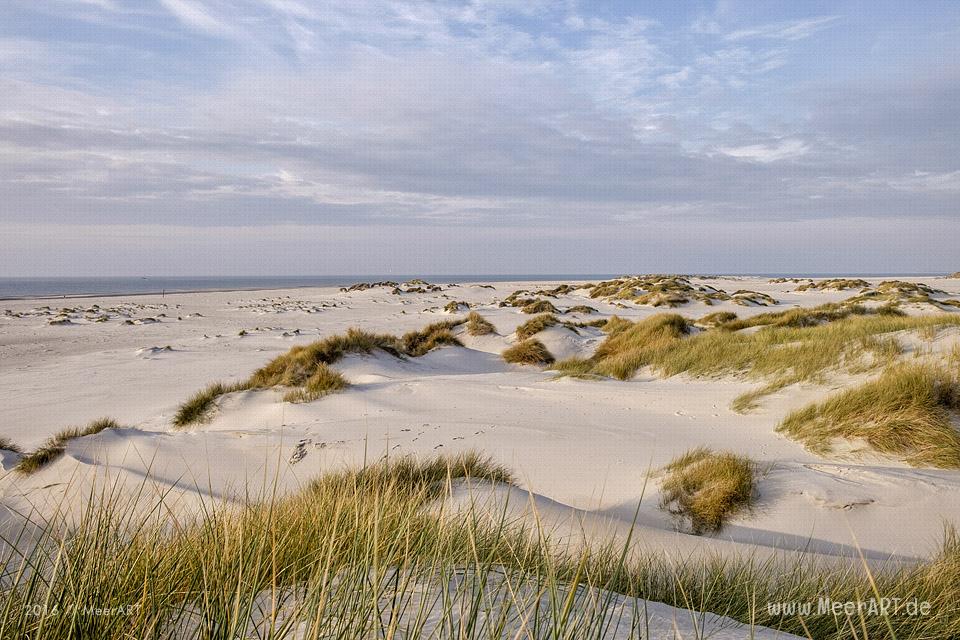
[480, 114]
[791, 30]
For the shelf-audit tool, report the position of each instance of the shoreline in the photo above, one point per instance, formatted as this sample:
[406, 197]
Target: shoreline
[435, 279]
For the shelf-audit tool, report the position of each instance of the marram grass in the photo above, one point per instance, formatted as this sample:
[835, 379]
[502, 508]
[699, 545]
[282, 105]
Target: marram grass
[529, 351]
[704, 488]
[306, 371]
[909, 412]
[372, 553]
[777, 354]
[477, 325]
[56, 445]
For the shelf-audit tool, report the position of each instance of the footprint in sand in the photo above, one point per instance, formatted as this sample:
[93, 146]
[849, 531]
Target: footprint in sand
[300, 451]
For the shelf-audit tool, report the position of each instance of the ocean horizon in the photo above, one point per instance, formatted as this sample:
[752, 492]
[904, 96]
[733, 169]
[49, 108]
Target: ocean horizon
[27, 287]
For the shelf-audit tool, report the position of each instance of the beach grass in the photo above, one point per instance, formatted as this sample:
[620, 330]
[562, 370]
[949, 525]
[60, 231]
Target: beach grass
[433, 336]
[781, 353]
[535, 325]
[306, 371]
[477, 325]
[56, 445]
[7, 444]
[529, 351]
[539, 306]
[705, 488]
[581, 308]
[908, 412]
[324, 381]
[373, 552]
[200, 406]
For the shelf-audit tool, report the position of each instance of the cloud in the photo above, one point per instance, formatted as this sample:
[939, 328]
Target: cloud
[472, 116]
[782, 149]
[197, 16]
[791, 30]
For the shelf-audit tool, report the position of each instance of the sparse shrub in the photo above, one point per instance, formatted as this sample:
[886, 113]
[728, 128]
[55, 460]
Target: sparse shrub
[56, 445]
[477, 325]
[907, 412]
[706, 488]
[535, 325]
[529, 351]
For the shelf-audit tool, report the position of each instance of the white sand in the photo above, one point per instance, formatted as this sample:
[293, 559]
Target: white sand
[581, 447]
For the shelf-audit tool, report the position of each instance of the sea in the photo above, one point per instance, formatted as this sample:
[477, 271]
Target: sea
[78, 287]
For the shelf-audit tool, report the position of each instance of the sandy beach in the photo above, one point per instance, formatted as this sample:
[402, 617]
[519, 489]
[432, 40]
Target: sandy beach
[583, 445]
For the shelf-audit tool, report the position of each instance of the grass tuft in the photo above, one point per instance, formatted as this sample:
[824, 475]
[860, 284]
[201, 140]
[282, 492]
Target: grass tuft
[706, 488]
[199, 407]
[907, 412]
[56, 445]
[433, 336]
[717, 318]
[539, 306]
[477, 325]
[324, 381]
[581, 308]
[529, 351]
[632, 346]
[535, 325]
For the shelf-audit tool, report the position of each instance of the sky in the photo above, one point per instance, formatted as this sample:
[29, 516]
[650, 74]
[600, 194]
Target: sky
[235, 137]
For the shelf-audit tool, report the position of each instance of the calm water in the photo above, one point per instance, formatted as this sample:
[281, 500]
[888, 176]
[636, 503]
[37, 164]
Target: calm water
[12, 288]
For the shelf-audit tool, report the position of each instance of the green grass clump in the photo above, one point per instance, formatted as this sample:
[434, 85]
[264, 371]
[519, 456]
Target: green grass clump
[477, 325]
[306, 368]
[581, 308]
[529, 351]
[535, 325]
[809, 317]
[706, 488]
[627, 349]
[540, 306]
[324, 381]
[837, 284]
[615, 324]
[717, 318]
[200, 406]
[747, 298]
[56, 445]
[433, 336]
[293, 368]
[907, 412]
[780, 355]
